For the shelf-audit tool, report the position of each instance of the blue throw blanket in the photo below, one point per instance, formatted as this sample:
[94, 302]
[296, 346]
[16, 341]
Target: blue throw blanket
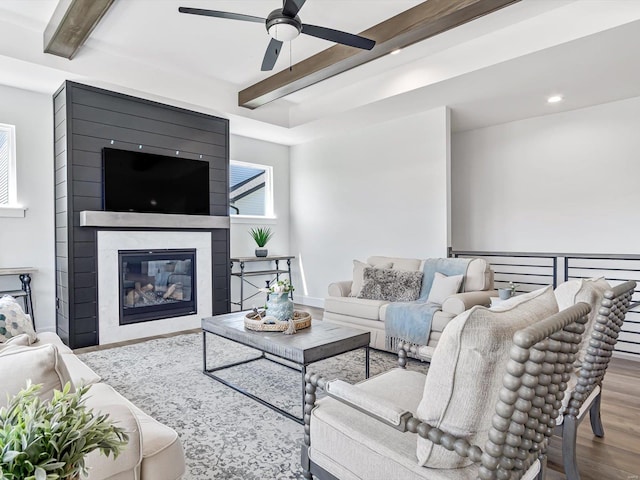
[410, 322]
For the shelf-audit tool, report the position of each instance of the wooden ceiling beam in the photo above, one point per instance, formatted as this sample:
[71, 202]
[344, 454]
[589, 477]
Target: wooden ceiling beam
[418, 23]
[71, 24]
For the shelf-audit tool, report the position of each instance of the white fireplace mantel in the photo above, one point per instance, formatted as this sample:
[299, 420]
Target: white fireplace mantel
[110, 243]
[91, 218]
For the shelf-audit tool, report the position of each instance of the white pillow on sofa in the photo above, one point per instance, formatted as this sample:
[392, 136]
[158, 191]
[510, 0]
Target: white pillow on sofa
[358, 275]
[21, 340]
[443, 287]
[39, 364]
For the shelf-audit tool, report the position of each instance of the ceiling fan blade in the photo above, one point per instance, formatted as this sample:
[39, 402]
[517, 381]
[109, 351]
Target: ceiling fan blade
[216, 13]
[337, 36]
[271, 55]
[292, 7]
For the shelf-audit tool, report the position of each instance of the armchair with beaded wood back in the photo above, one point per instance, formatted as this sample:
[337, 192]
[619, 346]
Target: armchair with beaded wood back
[609, 305]
[485, 410]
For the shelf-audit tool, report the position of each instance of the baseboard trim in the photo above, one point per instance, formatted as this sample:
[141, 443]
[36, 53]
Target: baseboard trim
[46, 329]
[309, 301]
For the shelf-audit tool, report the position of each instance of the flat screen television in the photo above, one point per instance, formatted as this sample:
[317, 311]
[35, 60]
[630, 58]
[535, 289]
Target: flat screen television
[149, 183]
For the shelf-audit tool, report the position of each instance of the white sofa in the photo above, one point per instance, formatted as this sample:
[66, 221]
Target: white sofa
[154, 451]
[342, 308]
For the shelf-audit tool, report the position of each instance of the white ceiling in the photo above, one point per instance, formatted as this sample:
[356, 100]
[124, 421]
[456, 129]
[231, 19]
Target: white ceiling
[498, 68]
[227, 50]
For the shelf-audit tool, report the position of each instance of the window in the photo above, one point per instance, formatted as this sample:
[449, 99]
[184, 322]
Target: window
[7, 165]
[250, 189]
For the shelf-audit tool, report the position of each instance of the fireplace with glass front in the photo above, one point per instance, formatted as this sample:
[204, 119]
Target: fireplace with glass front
[156, 284]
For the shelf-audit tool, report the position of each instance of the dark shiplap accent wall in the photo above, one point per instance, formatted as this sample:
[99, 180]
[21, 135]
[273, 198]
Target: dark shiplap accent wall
[61, 220]
[88, 119]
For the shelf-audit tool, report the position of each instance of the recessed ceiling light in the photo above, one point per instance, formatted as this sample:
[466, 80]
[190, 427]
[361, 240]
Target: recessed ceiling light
[555, 99]
[396, 51]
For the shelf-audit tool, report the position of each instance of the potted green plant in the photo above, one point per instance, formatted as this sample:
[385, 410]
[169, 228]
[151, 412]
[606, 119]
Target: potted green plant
[48, 440]
[261, 235]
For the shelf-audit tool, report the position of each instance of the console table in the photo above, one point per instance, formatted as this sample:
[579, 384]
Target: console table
[274, 261]
[24, 274]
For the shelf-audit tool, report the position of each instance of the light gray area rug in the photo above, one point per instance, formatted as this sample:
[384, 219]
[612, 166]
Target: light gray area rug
[225, 435]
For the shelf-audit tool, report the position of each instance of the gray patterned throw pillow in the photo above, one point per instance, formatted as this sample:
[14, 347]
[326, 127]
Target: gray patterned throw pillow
[13, 320]
[391, 285]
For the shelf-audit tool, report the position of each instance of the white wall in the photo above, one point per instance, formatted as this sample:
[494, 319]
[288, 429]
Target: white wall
[566, 182]
[29, 241]
[381, 190]
[246, 149]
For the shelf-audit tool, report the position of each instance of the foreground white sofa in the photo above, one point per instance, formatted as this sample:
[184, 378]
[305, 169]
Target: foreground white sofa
[343, 308]
[154, 451]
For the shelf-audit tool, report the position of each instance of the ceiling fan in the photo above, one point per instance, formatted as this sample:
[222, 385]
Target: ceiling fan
[283, 24]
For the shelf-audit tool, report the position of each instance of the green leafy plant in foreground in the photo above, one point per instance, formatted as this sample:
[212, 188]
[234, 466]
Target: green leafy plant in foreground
[48, 440]
[261, 235]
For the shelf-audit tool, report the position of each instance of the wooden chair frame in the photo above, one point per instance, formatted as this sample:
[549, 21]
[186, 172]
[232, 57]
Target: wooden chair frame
[602, 340]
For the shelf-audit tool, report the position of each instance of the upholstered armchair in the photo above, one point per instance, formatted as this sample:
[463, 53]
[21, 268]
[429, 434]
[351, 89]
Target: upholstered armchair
[403, 425]
[609, 306]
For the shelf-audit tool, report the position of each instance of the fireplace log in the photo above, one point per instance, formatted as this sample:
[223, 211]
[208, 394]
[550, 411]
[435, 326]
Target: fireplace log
[145, 294]
[131, 298]
[174, 292]
[170, 290]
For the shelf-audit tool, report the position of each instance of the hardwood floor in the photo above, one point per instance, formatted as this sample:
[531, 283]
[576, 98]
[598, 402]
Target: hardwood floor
[616, 456]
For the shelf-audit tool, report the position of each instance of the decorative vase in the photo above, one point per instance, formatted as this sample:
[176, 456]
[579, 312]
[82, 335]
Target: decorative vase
[505, 293]
[261, 252]
[279, 305]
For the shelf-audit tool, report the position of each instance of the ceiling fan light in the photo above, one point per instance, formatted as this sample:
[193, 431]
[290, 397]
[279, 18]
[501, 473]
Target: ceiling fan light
[284, 32]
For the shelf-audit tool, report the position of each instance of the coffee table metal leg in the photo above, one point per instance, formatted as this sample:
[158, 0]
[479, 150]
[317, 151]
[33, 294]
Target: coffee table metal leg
[204, 351]
[210, 373]
[366, 362]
